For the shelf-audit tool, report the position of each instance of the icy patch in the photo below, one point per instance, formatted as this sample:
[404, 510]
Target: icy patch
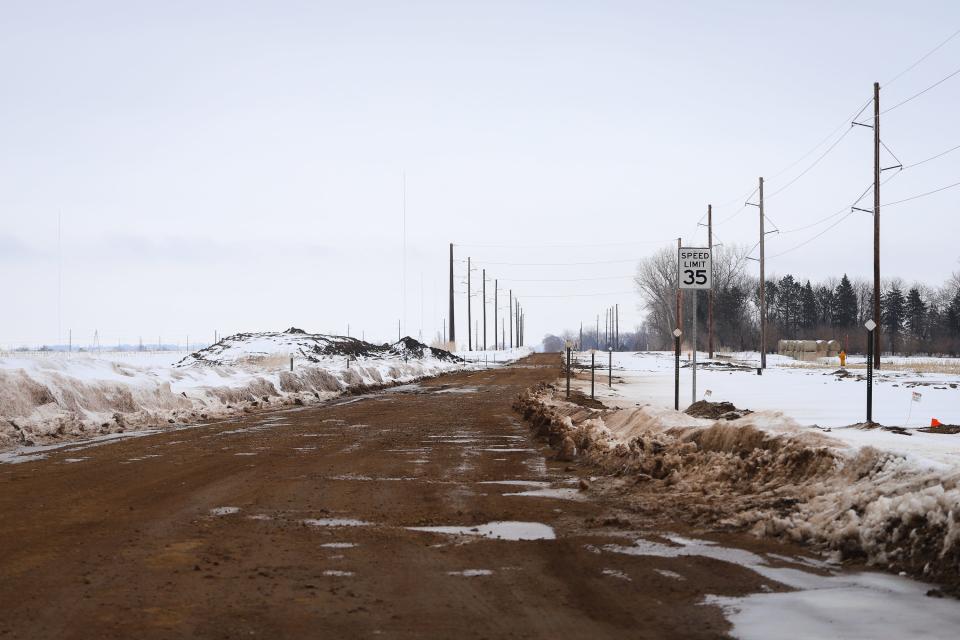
[338, 545]
[458, 390]
[339, 574]
[224, 511]
[471, 573]
[259, 516]
[501, 530]
[858, 606]
[72, 460]
[245, 453]
[335, 522]
[686, 547]
[508, 450]
[540, 484]
[559, 494]
[670, 574]
[613, 573]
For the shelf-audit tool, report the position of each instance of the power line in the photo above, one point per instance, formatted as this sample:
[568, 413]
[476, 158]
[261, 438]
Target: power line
[564, 279]
[559, 264]
[564, 244]
[942, 153]
[922, 58]
[814, 163]
[917, 95]
[581, 295]
[811, 239]
[921, 195]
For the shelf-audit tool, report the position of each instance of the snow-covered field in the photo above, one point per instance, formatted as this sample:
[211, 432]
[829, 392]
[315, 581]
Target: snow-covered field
[71, 396]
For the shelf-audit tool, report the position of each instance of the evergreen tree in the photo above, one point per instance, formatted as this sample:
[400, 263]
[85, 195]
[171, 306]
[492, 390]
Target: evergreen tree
[809, 314]
[916, 314]
[892, 314]
[824, 305]
[952, 317]
[845, 304]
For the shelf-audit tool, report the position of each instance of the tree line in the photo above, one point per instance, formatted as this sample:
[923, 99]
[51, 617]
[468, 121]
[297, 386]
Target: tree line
[915, 318]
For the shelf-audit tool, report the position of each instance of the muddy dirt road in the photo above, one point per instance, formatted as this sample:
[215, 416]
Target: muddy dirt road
[301, 523]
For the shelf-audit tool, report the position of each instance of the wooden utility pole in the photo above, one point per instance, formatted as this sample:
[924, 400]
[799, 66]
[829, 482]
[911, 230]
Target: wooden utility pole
[484, 310]
[598, 331]
[763, 299]
[469, 319]
[510, 317]
[616, 340]
[580, 344]
[453, 332]
[495, 315]
[876, 224]
[710, 293]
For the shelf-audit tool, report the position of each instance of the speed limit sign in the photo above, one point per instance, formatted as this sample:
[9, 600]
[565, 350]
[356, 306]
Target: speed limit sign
[694, 270]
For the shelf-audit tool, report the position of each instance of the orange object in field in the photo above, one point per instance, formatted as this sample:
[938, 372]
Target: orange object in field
[935, 423]
[843, 358]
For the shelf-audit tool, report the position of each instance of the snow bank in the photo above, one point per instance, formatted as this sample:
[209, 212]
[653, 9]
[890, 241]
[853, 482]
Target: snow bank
[49, 399]
[888, 499]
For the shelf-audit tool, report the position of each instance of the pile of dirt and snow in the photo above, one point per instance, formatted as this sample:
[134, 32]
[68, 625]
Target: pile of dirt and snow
[765, 473]
[715, 410]
[51, 399]
[255, 348]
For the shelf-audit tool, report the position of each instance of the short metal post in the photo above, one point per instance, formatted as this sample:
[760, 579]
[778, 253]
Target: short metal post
[568, 372]
[610, 370]
[869, 376]
[291, 363]
[593, 374]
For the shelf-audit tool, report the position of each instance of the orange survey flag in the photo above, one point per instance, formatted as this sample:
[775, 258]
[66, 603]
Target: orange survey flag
[934, 422]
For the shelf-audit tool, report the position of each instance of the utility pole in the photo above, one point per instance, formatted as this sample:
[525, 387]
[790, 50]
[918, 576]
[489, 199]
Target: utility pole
[453, 332]
[495, 314]
[469, 320]
[617, 327]
[580, 344]
[598, 331]
[484, 310]
[710, 293]
[876, 224]
[511, 318]
[763, 299]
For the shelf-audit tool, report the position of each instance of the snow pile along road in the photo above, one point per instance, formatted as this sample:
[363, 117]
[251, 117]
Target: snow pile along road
[888, 499]
[51, 399]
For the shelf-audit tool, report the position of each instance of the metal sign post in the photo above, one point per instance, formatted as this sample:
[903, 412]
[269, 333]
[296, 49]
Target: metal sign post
[694, 271]
[593, 372]
[568, 370]
[676, 371]
[610, 370]
[871, 326]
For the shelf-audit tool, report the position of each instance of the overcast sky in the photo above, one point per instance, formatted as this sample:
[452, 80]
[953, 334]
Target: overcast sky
[239, 165]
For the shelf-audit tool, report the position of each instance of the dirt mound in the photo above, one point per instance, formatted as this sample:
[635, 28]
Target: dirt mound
[256, 348]
[945, 429]
[716, 410]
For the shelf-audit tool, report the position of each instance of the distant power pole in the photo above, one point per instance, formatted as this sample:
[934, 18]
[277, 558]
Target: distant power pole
[484, 310]
[495, 315]
[763, 299]
[710, 293]
[511, 318]
[453, 331]
[598, 331]
[876, 223]
[469, 320]
[617, 327]
[580, 344]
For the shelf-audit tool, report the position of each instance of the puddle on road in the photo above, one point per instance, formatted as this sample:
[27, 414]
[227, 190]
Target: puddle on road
[541, 484]
[500, 530]
[559, 494]
[335, 522]
[471, 573]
